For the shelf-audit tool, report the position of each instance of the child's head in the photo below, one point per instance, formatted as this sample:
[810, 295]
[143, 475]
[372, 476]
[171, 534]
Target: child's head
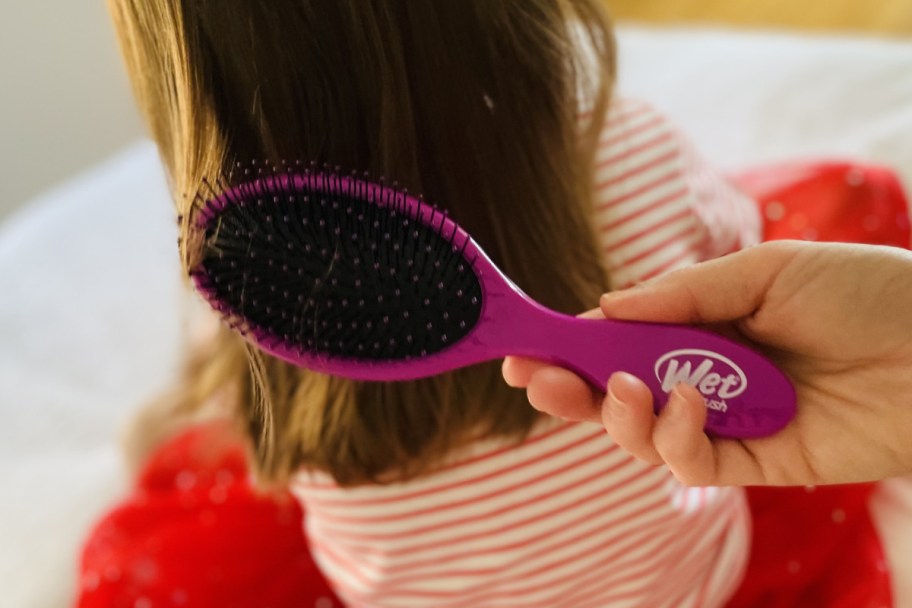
[473, 103]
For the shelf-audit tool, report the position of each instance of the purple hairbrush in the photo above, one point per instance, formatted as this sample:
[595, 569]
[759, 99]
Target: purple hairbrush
[348, 277]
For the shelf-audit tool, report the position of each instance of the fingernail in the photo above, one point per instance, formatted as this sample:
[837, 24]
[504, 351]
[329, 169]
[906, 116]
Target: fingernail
[676, 402]
[618, 407]
[623, 386]
[612, 297]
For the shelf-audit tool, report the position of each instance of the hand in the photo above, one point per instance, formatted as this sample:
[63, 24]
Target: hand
[836, 318]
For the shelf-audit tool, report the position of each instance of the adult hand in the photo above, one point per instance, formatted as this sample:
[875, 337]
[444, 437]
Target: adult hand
[836, 318]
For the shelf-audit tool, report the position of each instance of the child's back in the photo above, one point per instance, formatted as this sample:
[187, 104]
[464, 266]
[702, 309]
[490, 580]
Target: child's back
[567, 519]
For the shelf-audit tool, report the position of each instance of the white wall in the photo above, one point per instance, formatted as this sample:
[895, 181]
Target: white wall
[64, 99]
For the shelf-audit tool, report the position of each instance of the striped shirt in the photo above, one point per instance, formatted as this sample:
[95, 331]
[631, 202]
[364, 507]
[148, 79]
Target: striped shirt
[566, 518]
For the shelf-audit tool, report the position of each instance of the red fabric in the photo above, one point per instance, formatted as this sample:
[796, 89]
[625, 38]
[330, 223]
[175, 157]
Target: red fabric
[194, 533]
[814, 547]
[830, 201]
[818, 546]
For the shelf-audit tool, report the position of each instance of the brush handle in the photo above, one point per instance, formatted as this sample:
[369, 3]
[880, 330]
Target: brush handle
[746, 395]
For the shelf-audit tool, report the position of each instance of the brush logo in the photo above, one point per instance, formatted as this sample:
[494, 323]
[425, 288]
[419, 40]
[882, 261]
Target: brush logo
[716, 377]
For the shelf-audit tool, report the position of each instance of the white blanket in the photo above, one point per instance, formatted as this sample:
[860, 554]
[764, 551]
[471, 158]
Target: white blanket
[91, 301]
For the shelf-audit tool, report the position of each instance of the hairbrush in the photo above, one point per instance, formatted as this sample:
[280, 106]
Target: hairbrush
[346, 276]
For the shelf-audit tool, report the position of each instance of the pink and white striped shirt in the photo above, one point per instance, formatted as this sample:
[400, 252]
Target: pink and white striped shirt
[566, 518]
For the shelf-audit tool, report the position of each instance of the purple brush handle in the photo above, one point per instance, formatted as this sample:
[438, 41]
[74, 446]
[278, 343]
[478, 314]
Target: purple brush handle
[745, 394]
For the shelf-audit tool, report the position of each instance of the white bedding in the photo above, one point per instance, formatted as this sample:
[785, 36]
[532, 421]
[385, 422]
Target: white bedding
[91, 301]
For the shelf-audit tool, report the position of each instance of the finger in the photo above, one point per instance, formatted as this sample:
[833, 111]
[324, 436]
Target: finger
[595, 313]
[563, 394]
[697, 460]
[517, 371]
[627, 414]
[724, 289]
[680, 440]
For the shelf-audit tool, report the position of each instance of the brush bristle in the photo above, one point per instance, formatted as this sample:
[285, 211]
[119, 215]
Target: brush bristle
[335, 266]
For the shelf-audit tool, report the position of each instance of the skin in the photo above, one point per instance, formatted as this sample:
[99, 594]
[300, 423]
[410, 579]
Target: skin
[836, 318]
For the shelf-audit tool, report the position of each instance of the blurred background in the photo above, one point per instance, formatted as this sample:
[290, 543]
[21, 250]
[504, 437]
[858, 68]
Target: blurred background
[66, 104]
[891, 17]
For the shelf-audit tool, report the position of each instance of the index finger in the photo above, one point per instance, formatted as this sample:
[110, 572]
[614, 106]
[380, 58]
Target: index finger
[724, 289]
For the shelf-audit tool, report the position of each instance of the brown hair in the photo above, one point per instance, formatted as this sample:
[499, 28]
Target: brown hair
[473, 103]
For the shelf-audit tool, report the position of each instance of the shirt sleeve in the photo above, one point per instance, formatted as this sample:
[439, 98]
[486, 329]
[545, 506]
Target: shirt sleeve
[658, 205]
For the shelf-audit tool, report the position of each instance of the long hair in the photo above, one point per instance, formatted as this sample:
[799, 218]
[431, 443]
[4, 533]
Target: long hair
[476, 104]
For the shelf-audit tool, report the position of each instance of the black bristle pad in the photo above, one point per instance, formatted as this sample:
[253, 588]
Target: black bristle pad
[331, 272]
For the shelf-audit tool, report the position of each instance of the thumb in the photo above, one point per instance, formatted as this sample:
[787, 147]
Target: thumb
[724, 289]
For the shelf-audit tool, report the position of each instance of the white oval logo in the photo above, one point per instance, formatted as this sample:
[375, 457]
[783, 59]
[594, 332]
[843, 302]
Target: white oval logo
[710, 373]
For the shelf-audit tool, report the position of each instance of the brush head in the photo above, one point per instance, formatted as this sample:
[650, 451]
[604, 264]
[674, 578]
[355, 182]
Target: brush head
[331, 266]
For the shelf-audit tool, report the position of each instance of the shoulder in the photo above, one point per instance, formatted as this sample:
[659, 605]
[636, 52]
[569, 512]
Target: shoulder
[658, 204]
